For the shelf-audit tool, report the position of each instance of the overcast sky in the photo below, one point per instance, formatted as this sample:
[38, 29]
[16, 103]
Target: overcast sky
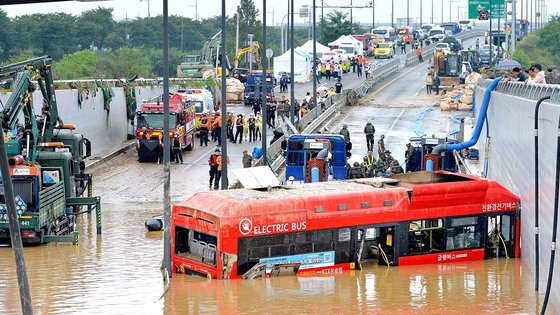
[208, 8]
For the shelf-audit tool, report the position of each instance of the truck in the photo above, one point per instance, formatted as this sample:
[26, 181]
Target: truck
[406, 33]
[448, 67]
[149, 126]
[46, 160]
[253, 86]
[195, 66]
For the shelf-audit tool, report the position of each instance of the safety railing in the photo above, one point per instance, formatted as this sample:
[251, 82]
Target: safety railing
[529, 91]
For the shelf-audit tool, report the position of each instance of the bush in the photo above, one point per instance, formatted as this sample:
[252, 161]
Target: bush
[76, 66]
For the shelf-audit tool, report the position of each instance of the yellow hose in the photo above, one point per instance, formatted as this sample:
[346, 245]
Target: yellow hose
[504, 243]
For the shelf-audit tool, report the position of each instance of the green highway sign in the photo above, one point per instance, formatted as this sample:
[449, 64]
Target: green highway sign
[498, 9]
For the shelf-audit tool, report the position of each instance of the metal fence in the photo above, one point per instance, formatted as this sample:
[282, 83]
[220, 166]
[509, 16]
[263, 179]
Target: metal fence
[529, 91]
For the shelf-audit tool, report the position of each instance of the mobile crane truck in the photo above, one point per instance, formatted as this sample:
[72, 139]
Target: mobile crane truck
[46, 158]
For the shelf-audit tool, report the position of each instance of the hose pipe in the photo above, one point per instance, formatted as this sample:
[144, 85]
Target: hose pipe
[479, 123]
[539, 102]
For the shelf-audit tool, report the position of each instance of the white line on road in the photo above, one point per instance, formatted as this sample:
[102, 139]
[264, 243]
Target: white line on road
[393, 125]
[416, 93]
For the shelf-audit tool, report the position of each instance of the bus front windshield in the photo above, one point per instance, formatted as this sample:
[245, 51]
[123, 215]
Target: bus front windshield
[380, 32]
[153, 120]
[198, 107]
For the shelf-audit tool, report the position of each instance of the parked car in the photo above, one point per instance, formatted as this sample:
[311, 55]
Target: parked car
[466, 24]
[436, 38]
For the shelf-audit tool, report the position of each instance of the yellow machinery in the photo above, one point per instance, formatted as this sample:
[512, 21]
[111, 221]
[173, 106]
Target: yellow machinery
[254, 48]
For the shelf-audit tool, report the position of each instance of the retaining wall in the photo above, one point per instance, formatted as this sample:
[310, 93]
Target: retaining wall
[106, 130]
[511, 162]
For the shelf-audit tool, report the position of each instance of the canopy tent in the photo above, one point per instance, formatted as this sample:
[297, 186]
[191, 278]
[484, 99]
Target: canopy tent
[308, 48]
[302, 65]
[349, 43]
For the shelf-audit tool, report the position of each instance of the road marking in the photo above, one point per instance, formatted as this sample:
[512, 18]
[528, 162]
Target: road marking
[369, 97]
[416, 93]
[393, 125]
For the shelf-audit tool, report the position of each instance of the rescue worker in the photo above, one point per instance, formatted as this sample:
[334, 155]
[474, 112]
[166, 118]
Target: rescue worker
[348, 168]
[145, 135]
[369, 159]
[381, 146]
[219, 170]
[247, 159]
[218, 123]
[239, 129]
[213, 163]
[229, 126]
[245, 128]
[338, 87]
[345, 133]
[369, 130]
[419, 54]
[160, 149]
[258, 126]
[257, 106]
[356, 171]
[177, 151]
[252, 125]
[204, 130]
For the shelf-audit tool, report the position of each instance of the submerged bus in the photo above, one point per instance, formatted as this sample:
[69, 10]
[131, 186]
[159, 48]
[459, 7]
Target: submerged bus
[328, 227]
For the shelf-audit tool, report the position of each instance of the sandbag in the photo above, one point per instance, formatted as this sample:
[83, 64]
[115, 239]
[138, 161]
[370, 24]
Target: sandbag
[472, 78]
[232, 97]
[466, 99]
[464, 107]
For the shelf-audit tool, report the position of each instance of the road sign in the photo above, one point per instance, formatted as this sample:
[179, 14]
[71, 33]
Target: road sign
[269, 53]
[483, 15]
[498, 9]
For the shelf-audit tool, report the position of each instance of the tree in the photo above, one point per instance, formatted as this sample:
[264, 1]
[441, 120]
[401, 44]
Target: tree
[337, 24]
[6, 34]
[248, 24]
[78, 65]
[94, 26]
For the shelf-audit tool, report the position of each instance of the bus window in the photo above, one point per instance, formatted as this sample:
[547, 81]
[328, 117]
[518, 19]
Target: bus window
[425, 236]
[464, 233]
[303, 242]
[501, 236]
[323, 241]
[195, 245]
[343, 246]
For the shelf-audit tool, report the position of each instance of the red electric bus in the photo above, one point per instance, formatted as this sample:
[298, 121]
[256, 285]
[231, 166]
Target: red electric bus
[324, 228]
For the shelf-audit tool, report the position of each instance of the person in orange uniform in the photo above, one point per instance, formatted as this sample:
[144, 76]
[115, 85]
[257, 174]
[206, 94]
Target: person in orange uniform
[219, 174]
[218, 128]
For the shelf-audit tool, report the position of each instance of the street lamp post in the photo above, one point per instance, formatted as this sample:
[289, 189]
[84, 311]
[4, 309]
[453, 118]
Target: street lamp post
[421, 12]
[432, 16]
[442, 12]
[393, 12]
[407, 12]
[264, 107]
[372, 3]
[450, 3]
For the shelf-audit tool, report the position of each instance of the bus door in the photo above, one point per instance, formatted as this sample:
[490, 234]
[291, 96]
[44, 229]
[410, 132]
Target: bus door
[501, 235]
[374, 243]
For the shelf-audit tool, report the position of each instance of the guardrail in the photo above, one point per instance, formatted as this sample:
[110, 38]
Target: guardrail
[529, 91]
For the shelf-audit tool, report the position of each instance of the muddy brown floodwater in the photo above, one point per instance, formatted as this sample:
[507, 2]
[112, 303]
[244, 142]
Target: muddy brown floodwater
[118, 273]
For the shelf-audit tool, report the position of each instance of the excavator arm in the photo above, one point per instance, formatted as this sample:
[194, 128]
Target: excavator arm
[23, 74]
[254, 48]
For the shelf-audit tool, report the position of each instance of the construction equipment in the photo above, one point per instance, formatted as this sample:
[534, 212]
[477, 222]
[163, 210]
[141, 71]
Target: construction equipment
[196, 65]
[46, 159]
[448, 67]
[255, 48]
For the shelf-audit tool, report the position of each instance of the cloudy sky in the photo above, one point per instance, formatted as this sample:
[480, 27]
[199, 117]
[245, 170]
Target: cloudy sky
[276, 8]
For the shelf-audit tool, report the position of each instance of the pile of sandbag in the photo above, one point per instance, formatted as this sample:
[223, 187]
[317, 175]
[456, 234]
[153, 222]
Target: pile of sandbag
[234, 90]
[460, 98]
[457, 99]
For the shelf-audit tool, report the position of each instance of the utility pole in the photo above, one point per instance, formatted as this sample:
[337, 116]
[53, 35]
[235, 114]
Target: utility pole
[166, 146]
[182, 25]
[224, 102]
[392, 13]
[323, 19]
[15, 234]
[314, 57]
[292, 83]
[408, 12]
[513, 25]
[372, 2]
[264, 107]
[351, 20]
[442, 12]
[432, 16]
[237, 32]
[420, 13]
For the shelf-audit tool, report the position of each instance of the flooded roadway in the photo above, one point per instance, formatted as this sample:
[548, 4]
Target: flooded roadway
[119, 271]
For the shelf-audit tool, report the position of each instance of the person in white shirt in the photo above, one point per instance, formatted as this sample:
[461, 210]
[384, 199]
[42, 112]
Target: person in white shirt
[537, 75]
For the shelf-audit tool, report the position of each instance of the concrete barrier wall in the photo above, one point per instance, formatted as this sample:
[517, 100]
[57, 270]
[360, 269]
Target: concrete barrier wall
[106, 130]
[511, 162]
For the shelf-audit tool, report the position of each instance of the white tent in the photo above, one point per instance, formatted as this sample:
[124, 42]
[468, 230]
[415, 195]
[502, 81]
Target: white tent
[302, 65]
[348, 43]
[308, 48]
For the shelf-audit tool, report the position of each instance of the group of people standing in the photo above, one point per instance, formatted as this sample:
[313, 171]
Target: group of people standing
[432, 82]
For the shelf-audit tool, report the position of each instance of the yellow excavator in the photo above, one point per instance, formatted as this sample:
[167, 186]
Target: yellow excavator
[255, 48]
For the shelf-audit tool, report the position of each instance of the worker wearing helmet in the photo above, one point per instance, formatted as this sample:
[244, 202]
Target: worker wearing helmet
[345, 133]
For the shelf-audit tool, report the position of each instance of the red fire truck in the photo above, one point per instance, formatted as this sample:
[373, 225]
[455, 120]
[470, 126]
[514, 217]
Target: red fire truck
[328, 227]
[149, 126]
